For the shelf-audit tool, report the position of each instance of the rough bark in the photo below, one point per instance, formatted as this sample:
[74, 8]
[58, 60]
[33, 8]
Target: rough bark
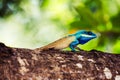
[25, 64]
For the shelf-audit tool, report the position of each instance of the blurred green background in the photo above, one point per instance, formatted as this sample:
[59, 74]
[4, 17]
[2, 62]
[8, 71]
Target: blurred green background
[34, 23]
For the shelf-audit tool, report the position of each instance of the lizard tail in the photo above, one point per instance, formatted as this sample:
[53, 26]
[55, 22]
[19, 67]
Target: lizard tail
[37, 50]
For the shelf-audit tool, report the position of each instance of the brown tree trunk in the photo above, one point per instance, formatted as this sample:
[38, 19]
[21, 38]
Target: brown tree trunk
[25, 64]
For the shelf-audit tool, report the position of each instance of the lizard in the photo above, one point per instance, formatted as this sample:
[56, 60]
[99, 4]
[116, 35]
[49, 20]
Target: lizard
[72, 40]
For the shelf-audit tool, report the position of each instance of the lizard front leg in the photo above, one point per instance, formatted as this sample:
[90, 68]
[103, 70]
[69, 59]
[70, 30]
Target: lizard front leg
[73, 45]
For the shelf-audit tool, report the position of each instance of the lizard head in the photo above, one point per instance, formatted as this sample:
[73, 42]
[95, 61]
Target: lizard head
[84, 36]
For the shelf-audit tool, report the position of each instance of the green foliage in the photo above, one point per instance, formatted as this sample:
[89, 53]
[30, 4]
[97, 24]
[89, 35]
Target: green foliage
[116, 46]
[101, 16]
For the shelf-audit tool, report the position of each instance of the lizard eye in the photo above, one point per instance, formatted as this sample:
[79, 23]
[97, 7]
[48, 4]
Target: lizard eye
[90, 33]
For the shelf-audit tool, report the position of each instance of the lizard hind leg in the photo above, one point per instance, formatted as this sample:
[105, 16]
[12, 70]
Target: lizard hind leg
[53, 48]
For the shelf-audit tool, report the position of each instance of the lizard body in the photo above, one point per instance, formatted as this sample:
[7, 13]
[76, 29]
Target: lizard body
[58, 44]
[80, 37]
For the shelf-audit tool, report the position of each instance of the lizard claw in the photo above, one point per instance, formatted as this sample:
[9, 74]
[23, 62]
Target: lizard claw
[78, 48]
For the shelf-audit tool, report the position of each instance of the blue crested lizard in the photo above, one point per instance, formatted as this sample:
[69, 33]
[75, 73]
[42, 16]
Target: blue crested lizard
[80, 37]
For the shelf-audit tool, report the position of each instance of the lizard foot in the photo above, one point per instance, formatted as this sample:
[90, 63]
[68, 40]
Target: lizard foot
[78, 48]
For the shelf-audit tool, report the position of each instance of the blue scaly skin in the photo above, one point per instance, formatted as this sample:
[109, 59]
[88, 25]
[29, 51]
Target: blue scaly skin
[80, 37]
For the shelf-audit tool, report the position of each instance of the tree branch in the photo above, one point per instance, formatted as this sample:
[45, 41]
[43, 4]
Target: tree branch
[25, 64]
